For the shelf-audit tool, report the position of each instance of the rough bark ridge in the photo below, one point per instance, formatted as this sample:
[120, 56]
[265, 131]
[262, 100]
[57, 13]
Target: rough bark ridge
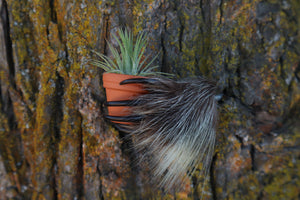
[54, 143]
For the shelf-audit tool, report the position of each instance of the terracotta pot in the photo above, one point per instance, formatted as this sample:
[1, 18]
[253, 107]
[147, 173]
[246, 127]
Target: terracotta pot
[117, 92]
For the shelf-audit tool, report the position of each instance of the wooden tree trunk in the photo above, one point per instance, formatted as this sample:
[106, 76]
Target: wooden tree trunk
[54, 142]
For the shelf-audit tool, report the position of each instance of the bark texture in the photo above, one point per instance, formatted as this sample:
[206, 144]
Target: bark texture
[54, 142]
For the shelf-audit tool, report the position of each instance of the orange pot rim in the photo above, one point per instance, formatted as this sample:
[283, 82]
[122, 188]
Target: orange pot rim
[112, 80]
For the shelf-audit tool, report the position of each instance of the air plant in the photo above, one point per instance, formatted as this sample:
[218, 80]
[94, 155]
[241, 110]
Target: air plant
[130, 59]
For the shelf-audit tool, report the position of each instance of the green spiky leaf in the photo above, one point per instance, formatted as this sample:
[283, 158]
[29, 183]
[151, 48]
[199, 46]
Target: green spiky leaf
[129, 60]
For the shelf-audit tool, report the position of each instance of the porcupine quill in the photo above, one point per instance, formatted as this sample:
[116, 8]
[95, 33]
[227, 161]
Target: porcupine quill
[177, 132]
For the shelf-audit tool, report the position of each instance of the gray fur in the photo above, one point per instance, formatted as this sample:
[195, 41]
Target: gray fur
[178, 130]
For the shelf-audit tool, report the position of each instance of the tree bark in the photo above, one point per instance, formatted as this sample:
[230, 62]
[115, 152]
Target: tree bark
[55, 143]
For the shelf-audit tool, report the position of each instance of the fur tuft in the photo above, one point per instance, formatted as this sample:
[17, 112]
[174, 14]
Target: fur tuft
[178, 130]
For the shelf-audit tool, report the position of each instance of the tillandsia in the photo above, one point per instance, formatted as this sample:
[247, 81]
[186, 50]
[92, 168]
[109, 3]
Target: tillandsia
[130, 58]
[175, 126]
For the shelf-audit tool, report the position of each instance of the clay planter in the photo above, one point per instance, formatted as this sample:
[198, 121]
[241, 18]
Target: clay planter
[117, 92]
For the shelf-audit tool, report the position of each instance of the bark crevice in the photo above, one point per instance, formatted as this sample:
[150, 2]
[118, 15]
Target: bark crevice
[252, 156]
[8, 42]
[80, 173]
[212, 177]
[164, 67]
[101, 196]
[53, 14]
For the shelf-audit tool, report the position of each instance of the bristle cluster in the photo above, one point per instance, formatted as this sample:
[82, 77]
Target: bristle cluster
[177, 132]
